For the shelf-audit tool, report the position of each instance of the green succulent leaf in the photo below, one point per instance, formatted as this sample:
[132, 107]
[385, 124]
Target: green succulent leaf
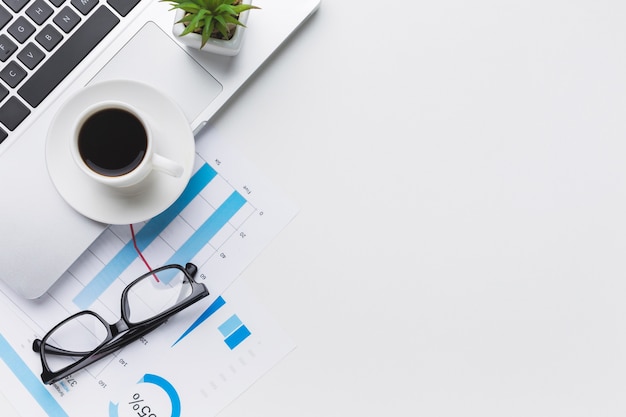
[243, 7]
[207, 30]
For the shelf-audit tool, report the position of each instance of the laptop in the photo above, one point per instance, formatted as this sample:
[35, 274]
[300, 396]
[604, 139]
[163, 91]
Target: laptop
[41, 234]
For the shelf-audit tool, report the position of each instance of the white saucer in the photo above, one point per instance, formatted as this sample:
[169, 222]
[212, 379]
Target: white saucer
[173, 139]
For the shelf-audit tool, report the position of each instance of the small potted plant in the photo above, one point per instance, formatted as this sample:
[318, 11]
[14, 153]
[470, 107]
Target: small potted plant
[211, 25]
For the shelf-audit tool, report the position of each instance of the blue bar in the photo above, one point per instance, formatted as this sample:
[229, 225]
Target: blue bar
[113, 409]
[230, 325]
[31, 382]
[236, 338]
[219, 302]
[144, 237]
[209, 228]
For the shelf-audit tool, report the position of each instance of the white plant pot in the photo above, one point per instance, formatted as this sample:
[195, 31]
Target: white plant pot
[228, 47]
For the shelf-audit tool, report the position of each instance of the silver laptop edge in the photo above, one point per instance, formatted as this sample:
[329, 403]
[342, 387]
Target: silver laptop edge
[41, 234]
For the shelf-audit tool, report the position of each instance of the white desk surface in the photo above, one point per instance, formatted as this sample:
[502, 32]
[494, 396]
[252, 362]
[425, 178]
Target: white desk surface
[462, 182]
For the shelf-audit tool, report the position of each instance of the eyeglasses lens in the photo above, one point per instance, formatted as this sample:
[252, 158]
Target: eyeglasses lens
[80, 334]
[155, 294]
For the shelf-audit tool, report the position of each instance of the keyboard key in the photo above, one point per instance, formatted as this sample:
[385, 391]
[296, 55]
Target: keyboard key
[15, 5]
[13, 112]
[84, 6]
[67, 19]
[70, 54]
[49, 37]
[7, 47]
[3, 92]
[5, 17]
[21, 29]
[57, 3]
[123, 7]
[31, 55]
[39, 11]
[3, 135]
[13, 74]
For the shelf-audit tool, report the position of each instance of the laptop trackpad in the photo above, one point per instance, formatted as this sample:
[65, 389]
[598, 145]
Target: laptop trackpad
[152, 57]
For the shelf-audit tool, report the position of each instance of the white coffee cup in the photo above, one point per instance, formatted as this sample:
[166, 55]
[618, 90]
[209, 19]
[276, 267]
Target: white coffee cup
[113, 144]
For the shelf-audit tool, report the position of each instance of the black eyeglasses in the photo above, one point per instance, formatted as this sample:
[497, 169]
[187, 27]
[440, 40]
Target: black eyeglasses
[147, 302]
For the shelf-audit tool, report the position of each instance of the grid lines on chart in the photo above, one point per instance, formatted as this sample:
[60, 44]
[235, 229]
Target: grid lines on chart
[206, 215]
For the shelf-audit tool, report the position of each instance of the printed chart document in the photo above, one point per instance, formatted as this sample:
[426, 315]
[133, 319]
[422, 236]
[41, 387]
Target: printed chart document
[203, 357]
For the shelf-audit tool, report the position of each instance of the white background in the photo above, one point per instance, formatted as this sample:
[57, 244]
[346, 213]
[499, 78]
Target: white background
[459, 166]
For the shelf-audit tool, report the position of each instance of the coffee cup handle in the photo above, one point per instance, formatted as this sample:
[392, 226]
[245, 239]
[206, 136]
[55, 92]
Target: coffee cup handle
[163, 164]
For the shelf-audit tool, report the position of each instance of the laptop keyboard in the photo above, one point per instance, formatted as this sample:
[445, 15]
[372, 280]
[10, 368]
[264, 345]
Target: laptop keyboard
[41, 41]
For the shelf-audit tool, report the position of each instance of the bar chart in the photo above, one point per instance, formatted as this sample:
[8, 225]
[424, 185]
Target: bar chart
[223, 219]
[209, 227]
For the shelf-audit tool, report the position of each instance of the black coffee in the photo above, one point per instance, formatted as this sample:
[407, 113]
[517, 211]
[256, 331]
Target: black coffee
[112, 142]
